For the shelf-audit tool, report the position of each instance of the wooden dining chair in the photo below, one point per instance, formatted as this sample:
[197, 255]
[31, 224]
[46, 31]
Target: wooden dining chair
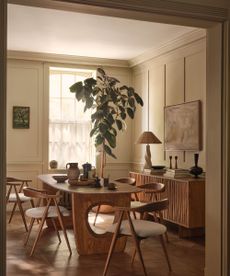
[152, 192]
[138, 230]
[15, 195]
[125, 180]
[51, 210]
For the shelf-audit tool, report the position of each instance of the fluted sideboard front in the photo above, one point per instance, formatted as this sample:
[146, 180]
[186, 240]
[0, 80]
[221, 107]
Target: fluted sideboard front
[186, 199]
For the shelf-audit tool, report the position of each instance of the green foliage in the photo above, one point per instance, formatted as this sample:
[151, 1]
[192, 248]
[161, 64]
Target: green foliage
[111, 105]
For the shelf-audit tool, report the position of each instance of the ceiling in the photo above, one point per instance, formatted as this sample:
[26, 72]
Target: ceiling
[35, 29]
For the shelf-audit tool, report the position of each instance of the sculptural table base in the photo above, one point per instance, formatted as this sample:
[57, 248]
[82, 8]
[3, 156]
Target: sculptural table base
[87, 241]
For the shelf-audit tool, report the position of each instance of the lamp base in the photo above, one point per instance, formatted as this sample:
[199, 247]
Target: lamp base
[148, 163]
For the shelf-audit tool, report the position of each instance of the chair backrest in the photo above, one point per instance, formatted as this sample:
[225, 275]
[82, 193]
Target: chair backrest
[126, 180]
[155, 206]
[153, 187]
[36, 193]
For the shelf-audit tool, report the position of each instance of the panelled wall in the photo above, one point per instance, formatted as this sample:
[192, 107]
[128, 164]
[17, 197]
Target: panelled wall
[27, 149]
[174, 78]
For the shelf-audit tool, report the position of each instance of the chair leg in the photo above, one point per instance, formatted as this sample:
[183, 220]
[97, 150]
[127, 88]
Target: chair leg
[38, 236]
[40, 227]
[29, 231]
[96, 215]
[63, 227]
[113, 243]
[162, 222]
[137, 243]
[56, 229]
[23, 215]
[133, 257]
[12, 212]
[165, 252]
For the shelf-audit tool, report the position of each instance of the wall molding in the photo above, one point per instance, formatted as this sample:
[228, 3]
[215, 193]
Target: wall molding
[120, 8]
[169, 46]
[57, 58]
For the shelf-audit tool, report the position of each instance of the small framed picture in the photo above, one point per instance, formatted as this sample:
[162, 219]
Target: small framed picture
[21, 117]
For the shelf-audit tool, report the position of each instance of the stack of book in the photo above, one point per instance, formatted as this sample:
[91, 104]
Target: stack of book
[177, 173]
[155, 171]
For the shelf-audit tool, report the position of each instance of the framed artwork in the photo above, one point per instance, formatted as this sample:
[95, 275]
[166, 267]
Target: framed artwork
[183, 126]
[21, 117]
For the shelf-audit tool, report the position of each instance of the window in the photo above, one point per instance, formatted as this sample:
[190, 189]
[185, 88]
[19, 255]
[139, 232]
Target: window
[69, 125]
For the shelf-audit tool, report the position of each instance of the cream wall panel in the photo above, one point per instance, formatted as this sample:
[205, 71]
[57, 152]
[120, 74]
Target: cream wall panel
[156, 112]
[195, 85]
[140, 120]
[25, 88]
[174, 94]
[175, 82]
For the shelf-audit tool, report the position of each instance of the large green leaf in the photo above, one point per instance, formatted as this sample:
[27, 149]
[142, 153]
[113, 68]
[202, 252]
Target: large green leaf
[130, 113]
[103, 128]
[130, 91]
[90, 82]
[119, 124]
[138, 99]
[110, 118]
[123, 115]
[110, 138]
[101, 71]
[76, 87]
[99, 140]
[131, 102]
[109, 151]
[97, 115]
[93, 131]
[89, 102]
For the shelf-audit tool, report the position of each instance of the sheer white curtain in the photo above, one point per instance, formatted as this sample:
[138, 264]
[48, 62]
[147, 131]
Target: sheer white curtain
[69, 126]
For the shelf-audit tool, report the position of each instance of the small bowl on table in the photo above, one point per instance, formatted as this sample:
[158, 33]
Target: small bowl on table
[60, 178]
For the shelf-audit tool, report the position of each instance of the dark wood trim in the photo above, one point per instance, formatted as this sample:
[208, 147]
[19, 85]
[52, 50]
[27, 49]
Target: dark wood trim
[3, 20]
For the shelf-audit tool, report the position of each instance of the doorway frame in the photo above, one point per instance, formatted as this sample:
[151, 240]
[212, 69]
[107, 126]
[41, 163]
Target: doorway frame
[218, 116]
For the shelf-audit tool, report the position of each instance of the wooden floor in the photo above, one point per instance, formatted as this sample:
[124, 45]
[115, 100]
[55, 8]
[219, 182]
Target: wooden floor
[52, 258]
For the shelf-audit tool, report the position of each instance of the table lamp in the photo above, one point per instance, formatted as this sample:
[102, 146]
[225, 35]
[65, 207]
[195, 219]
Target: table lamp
[147, 137]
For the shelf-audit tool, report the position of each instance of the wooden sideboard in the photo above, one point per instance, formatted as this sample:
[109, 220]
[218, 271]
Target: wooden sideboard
[186, 201]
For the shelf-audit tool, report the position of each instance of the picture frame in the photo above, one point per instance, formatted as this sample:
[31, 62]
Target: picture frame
[183, 127]
[21, 117]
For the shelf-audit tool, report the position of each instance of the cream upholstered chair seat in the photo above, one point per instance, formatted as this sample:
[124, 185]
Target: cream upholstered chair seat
[135, 204]
[22, 197]
[143, 228]
[38, 212]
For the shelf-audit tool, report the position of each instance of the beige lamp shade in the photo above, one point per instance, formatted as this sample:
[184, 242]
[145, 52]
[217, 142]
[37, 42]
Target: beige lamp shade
[147, 137]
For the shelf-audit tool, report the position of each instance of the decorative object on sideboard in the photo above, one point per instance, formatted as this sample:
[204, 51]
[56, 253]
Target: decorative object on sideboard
[196, 170]
[147, 137]
[183, 126]
[176, 165]
[73, 172]
[21, 117]
[170, 162]
[111, 106]
[53, 164]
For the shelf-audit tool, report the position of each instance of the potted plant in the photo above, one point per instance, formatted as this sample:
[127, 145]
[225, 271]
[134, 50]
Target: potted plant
[111, 106]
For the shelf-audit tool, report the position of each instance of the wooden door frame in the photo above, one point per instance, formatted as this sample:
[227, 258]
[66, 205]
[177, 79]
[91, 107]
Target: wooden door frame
[216, 21]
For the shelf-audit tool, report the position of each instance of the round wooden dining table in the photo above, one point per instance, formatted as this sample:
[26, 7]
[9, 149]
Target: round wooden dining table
[83, 199]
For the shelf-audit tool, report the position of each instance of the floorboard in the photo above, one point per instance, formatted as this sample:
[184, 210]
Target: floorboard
[52, 258]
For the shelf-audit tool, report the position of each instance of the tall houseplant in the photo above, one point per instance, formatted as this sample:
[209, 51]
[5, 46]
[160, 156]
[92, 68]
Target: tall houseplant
[111, 106]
